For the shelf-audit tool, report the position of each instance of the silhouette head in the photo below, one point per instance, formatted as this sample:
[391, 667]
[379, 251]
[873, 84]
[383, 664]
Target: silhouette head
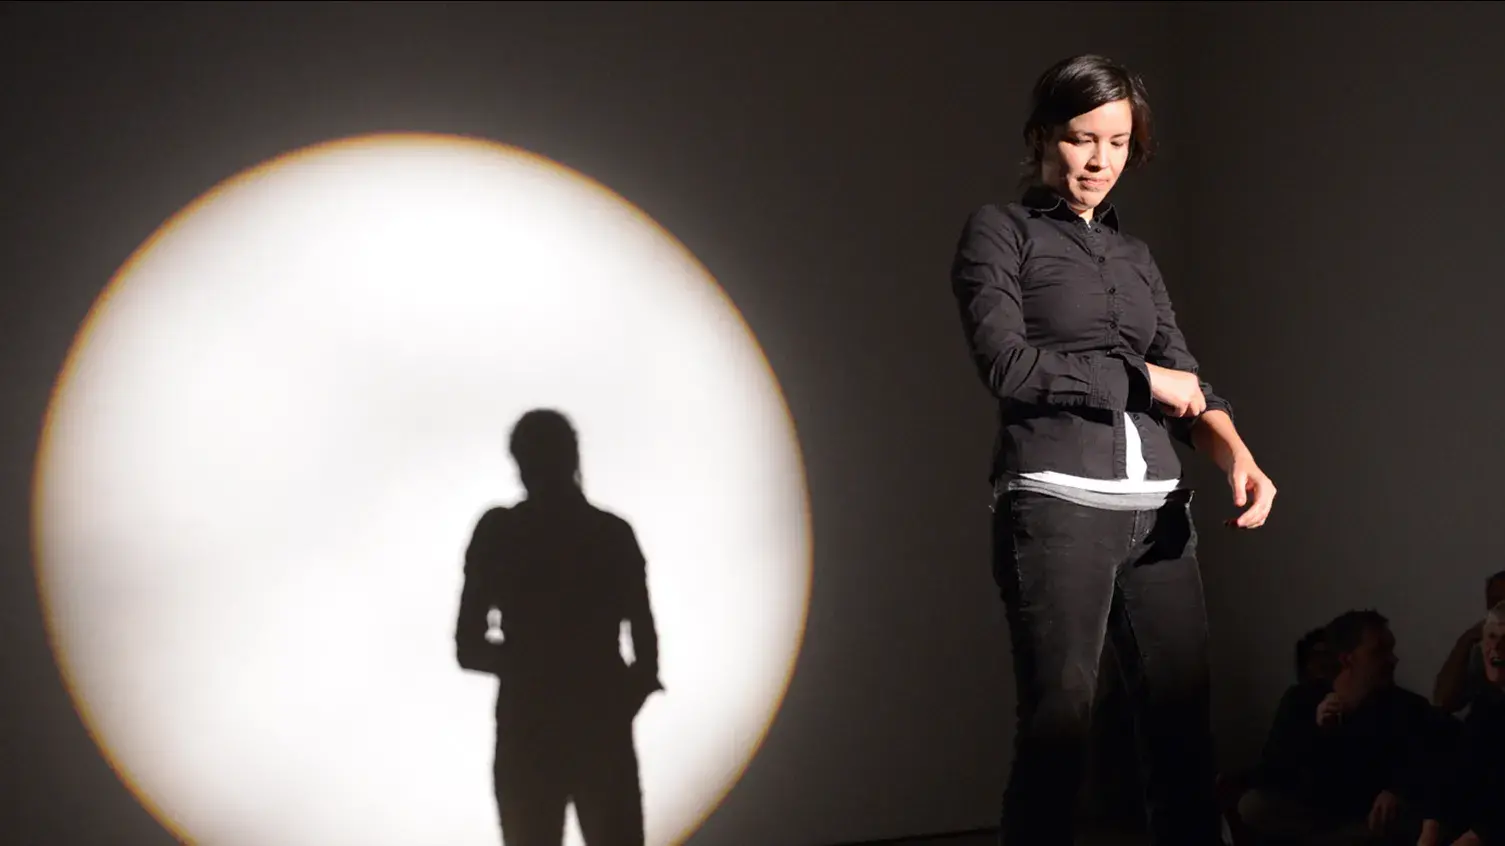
[547, 453]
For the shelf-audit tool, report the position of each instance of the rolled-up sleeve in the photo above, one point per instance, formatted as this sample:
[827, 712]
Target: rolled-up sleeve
[985, 281]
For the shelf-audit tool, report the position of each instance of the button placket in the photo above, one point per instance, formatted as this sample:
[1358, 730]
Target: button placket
[1112, 292]
[1093, 241]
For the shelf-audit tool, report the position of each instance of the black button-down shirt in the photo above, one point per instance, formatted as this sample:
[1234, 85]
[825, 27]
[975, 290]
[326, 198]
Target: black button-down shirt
[1061, 316]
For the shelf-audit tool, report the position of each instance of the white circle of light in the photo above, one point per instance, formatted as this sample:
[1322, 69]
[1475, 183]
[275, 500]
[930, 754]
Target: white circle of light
[277, 429]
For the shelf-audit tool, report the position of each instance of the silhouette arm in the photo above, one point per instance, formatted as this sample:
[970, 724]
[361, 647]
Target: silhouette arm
[473, 651]
[639, 613]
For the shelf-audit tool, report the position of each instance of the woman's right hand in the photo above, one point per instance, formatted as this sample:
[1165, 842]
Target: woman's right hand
[1177, 391]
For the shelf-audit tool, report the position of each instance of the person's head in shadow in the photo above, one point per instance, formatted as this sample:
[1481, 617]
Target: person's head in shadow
[1363, 650]
[1494, 590]
[547, 452]
[1314, 658]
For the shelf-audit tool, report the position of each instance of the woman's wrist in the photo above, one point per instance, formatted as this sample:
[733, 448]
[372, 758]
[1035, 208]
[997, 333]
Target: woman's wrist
[1214, 433]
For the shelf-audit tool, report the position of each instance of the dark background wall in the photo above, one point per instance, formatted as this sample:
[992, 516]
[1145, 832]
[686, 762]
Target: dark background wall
[1326, 211]
[1339, 219]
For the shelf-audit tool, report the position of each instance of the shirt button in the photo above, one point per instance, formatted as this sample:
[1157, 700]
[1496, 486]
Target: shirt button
[1112, 289]
[1101, 259]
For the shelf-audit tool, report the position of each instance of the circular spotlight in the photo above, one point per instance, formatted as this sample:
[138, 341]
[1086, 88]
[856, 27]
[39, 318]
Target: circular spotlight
[277, 429]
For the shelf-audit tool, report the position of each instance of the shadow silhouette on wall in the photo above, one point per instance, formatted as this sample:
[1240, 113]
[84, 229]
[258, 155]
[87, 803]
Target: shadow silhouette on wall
[549, 583]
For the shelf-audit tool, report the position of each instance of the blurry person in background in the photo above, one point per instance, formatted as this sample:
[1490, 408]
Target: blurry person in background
[1468, 805]
[1314, 658]
[1462, 675]
[1349, 759]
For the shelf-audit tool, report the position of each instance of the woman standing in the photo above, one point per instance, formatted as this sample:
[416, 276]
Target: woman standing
[1070, 327]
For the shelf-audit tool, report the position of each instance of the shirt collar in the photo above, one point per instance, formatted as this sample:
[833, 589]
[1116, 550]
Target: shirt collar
[1047, 201]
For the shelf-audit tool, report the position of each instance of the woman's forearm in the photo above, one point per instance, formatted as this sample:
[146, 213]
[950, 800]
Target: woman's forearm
[1215, 435]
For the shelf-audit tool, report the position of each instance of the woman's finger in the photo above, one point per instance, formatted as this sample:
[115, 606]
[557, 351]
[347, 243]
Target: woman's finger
[1258, 513]
[1240, 483]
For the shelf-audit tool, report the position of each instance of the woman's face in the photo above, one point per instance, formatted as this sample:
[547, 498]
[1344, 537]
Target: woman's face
[1083, 159]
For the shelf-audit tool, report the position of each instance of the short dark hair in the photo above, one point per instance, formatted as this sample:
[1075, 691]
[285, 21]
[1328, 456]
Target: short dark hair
[1305, 646]
[1497, 577]
[1076, 86]
[1346, 631]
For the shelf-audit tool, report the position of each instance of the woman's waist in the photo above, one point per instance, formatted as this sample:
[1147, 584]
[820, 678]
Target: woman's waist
[1106, 445]
[1021, 416]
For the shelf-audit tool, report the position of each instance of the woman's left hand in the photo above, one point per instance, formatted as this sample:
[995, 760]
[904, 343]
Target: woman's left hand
[1253, 488]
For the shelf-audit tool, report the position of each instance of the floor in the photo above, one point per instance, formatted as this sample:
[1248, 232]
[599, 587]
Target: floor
[988, 838]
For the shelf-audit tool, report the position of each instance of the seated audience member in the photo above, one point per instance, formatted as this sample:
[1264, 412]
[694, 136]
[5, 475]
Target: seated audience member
[1313, 663]
[1313, 658]
[1469, 806]
[1462, 675]
[1350, 759]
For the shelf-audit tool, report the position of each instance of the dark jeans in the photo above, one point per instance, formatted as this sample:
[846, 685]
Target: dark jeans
[1070, 576]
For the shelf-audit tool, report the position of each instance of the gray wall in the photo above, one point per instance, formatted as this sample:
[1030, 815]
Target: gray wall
[1341, 211]
[1323, 211]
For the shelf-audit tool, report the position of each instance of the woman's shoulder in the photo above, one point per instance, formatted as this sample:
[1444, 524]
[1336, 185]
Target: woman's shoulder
[993, 227]
[1008, 220]
[998, 213]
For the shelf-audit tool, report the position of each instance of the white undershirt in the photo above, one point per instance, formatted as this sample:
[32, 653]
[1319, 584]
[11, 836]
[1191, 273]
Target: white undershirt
[1135, 481]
